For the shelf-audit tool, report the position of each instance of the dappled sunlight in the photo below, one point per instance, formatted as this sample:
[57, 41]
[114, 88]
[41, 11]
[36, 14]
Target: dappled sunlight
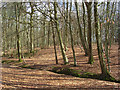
[39, 77]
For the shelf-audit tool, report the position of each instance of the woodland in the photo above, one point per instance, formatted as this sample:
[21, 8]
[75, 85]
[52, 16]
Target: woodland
[63, 44]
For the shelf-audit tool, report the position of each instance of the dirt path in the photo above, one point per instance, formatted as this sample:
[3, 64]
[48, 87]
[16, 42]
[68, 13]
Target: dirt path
[21, 78]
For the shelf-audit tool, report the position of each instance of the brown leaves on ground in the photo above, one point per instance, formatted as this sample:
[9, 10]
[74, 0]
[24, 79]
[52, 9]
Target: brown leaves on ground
[23, 78]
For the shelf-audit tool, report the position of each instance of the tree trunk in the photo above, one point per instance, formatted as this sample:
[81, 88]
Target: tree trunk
[89, 8]
[66, 27]
[72, 44]
[43, 39]
[59, 35]
[54, 43]
[31, 30]
[105, 73]
[49, 34]
[119, 34]
[17, 32]
[80, 31]
[106, 36]
[4, 31]
[53, 32]
[85, 37]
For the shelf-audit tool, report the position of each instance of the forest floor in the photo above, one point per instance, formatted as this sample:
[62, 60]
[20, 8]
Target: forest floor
[39, 76]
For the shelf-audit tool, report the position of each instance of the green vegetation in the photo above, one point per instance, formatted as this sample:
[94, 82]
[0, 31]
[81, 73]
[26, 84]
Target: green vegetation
[26, 66]
[80, 74]
[28, 27]
[66, 71]
[9, 61]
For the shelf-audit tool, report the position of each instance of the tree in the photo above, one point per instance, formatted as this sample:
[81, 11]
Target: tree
[89, 8]
[105, 73]
[80, 30]
[85, 37]
[72, 44]
[51, 24]
[59, 35]
[4, 30]
[66, 26]
[44, 32]
[31, 29]
[106, 35]
[119, 31]
[54, 42]
[17, 15]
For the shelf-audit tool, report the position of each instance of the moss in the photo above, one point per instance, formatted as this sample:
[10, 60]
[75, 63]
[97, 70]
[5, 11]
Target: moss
[66, 71]
[23, 65]
[107, 77]
[77, 73]
[89, 75]
[26, 66]
[66, 63]
[91, 60]
[20, 60]
[33, 52]
[110, 79]
[8, 61]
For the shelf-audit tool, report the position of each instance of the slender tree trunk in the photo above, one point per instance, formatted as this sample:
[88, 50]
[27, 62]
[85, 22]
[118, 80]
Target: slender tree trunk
[105, 73]
[59, 35]
[119, 29]
[49, 35]
[17, 32]
[49, 25]
[53, 32]
[80, 31]
[44, 32]
[66, 27]
[27, 34]
[112, 27]
[11, 44]
[72, 43]
[89, 8]
[119, 34]
[31, 30]
[4, 31]
[85, 37]
[54, 43]
[106, 36]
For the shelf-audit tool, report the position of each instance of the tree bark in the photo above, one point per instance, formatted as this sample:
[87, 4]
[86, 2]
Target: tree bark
[85, 37]
[80, 31]
[17, 32]
[59, 35]
[66, 27]
[106, 36]
[119, 36]
[72, 44]
[105, 73]
[31, 29]
[89, 8]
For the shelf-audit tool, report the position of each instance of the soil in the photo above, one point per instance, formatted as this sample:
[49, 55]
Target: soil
[40, 77]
